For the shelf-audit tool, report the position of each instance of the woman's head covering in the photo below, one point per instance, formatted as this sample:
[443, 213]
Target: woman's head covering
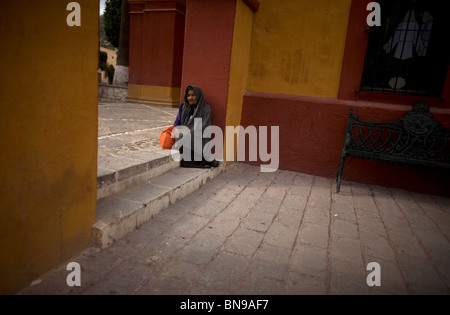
[201, 110]
[198, 92]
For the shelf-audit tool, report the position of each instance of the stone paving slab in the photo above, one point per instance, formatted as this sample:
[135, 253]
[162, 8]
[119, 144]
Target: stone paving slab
[247, 232]
[128, 147]
[125, 127]
[124, 211]
[282, 233]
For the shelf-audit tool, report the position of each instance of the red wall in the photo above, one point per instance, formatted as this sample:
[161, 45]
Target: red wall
[156, 43]
[312, 134]
[136, 67]
[207, 52]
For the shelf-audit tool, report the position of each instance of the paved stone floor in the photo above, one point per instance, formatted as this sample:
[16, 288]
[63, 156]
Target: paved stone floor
[281, 233]
[130, 126]
[248, 232]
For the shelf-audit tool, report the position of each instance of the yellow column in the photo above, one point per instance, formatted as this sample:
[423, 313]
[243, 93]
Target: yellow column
[48, 122]
[240, 56]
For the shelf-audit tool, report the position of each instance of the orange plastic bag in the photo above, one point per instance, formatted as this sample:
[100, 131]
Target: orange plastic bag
[165, 139]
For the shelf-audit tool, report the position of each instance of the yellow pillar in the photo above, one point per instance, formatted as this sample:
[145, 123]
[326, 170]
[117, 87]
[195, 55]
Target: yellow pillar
[48, 122]
[240, 56]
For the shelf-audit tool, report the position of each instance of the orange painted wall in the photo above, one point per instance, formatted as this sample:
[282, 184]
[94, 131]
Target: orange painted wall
[48, 122]
[239, 61]
[298, 46]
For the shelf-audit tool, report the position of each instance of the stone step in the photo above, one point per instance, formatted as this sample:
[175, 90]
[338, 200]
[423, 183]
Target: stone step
[122, 212]
[118, 172]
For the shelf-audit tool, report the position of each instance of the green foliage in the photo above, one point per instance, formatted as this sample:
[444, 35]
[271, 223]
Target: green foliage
[102, 59]
[110, 73]
[103, 40]
[111, 21]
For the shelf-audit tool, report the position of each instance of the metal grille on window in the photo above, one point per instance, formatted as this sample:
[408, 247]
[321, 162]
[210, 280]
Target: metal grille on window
[408, 54]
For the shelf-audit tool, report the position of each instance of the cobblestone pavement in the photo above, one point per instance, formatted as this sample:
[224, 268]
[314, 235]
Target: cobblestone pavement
[130, 126]
[281, 233]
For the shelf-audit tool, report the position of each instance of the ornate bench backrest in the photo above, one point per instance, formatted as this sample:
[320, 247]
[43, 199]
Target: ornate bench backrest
[416, 135]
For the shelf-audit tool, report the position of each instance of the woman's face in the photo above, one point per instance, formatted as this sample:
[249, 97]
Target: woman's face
[192, 98]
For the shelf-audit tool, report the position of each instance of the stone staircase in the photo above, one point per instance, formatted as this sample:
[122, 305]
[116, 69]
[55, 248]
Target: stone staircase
[135, 185]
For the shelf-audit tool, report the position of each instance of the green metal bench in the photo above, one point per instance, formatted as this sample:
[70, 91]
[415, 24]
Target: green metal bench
[414, 139]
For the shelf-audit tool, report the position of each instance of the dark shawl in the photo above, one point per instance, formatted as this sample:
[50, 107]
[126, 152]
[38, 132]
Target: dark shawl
[201, 110]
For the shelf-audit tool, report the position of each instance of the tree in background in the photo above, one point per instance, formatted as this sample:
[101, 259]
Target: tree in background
[111, 21]
[121, 71]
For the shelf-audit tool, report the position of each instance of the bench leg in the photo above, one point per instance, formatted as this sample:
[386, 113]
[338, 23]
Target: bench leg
[342, 161]
[339, 173]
